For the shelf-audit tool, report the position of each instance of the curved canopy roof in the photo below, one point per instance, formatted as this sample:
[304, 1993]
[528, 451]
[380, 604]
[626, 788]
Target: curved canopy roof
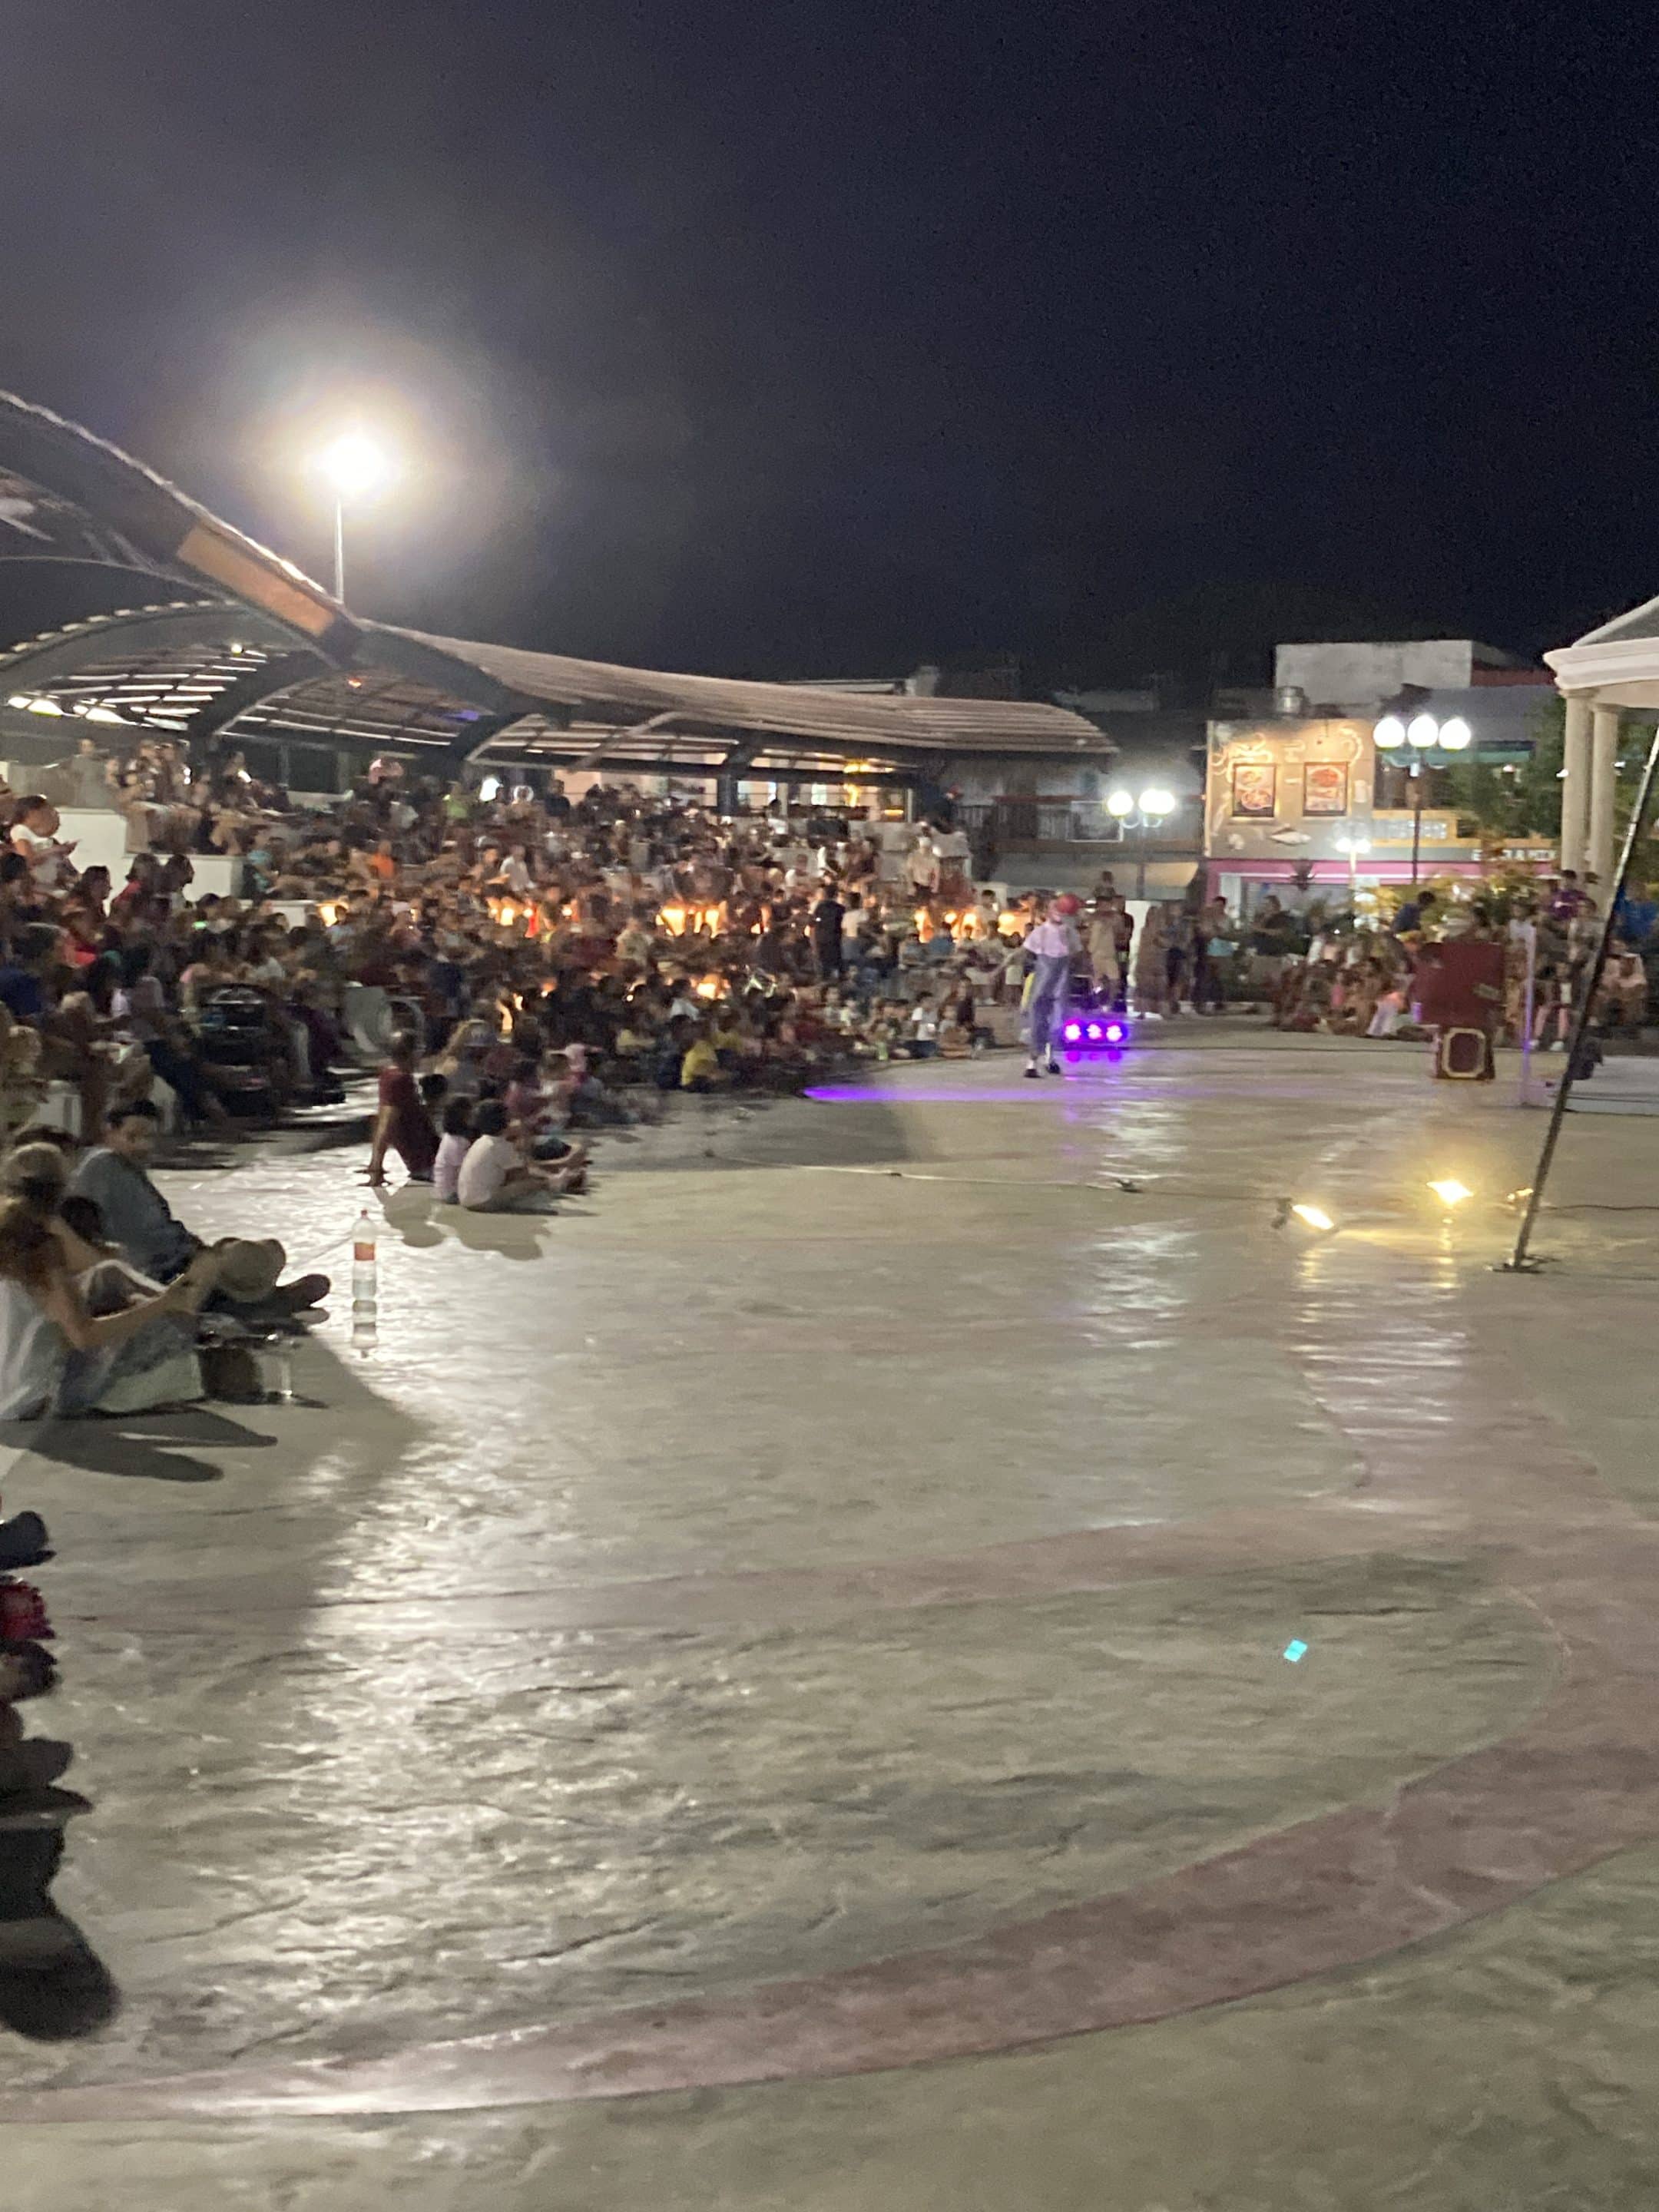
[182, 623]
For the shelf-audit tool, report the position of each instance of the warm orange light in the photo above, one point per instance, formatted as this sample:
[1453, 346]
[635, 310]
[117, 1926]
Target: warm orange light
[672, 919]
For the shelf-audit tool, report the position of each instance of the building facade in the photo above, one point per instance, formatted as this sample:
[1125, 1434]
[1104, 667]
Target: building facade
[1294, 801]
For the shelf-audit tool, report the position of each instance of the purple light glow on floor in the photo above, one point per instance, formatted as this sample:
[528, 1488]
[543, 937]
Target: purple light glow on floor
[910, 1094]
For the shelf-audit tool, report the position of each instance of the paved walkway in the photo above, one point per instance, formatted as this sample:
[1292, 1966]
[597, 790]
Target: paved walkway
[769, 1689]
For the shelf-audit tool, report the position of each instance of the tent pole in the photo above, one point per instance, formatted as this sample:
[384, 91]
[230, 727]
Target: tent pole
[1519, 1262]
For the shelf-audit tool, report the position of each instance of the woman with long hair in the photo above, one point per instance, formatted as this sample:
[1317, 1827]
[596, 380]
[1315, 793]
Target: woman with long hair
[56, 1355]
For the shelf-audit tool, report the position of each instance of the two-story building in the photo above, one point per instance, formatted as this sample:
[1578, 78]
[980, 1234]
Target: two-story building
[1294, 800]
[1304, 797]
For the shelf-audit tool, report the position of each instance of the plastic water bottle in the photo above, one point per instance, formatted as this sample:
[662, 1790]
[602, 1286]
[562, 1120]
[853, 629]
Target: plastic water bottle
[365, 1285]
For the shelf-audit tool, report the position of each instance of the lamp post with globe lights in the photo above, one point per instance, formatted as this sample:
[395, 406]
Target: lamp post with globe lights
[354, 466]
[1143, 813]
[1421, 738]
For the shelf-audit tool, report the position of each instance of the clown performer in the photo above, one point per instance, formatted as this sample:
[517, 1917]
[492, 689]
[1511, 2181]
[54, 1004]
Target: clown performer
[1052, 947]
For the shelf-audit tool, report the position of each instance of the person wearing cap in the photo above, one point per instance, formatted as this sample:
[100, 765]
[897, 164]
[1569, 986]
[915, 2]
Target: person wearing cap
[1052, 947]
[142, 1227]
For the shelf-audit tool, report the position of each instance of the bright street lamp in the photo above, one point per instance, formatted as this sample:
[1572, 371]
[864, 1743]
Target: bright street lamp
[1424, 735]
[1143, 814]
[355, 466]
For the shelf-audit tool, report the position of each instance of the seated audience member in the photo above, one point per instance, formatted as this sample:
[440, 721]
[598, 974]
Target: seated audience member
[453, 1148]
[403, 1125]
[700, 1065]
[56, 1356]
[494, 1176]
[1622, 1002]
[142, 1227]
[34, 836]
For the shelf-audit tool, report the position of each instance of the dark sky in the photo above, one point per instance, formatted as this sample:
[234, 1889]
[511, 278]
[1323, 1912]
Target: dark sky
[821, 336]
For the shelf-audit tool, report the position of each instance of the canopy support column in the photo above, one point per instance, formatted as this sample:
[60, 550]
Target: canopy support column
[1603, 786]
[1576, 782]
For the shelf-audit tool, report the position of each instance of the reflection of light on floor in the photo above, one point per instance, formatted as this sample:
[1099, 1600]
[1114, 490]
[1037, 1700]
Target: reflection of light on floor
[910, 1094]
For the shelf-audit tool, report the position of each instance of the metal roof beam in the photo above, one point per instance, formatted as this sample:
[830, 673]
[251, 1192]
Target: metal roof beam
[261, 682]
[135, 634]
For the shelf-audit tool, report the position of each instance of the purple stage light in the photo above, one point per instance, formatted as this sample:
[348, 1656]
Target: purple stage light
[1073, 1031]
[1094, 1032]
[1115, 1032]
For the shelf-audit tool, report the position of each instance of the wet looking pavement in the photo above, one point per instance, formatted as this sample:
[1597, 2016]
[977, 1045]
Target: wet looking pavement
[769, 1687]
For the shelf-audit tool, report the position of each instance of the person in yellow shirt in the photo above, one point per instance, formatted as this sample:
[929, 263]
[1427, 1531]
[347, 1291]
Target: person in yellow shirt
[701, 1068]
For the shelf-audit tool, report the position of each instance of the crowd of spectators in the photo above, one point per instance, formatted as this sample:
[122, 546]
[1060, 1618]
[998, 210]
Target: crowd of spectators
[562, 958]
[1344, 974]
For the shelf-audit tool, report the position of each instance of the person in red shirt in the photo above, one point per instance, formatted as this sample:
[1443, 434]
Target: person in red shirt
[403, 1125]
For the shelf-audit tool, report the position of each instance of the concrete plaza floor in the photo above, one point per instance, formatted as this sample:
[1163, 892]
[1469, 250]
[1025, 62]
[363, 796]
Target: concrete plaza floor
[769, 1688]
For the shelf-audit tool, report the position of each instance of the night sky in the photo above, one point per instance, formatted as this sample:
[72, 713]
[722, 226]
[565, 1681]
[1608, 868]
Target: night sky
[821, 336]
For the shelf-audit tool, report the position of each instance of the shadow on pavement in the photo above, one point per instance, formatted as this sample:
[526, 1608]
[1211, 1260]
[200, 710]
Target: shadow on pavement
[147, 1445]
[53, 1985]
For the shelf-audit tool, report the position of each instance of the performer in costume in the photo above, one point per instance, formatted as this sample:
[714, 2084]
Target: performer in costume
[1052, 947]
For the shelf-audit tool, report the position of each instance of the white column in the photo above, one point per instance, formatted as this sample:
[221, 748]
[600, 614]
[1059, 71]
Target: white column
[1576, 782]
[1604, 779]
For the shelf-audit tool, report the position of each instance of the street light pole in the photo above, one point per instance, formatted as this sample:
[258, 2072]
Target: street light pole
[1417, 817]
[1425, 736]
[354, 467]
[1142, 815]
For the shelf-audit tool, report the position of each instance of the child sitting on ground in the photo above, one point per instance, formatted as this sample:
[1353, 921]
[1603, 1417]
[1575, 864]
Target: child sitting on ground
[494, 1176]
[451, 1149]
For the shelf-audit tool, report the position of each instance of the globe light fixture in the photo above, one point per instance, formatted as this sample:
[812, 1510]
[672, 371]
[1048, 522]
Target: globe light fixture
[1423, 735]
[1142, 814]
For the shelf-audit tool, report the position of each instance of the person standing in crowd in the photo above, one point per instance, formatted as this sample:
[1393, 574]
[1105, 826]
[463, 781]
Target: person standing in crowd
[828, 920]
[1052, 947]
[1105, 955]
[1214, 946]
[1152, 965]
[1568, 896]
[921, 869]
[1635, 914]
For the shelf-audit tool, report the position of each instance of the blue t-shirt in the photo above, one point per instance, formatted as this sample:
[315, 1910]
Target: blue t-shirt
[21, 993]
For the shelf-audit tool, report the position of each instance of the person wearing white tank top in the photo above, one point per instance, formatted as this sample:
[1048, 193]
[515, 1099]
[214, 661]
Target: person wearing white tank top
[56, 1356]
